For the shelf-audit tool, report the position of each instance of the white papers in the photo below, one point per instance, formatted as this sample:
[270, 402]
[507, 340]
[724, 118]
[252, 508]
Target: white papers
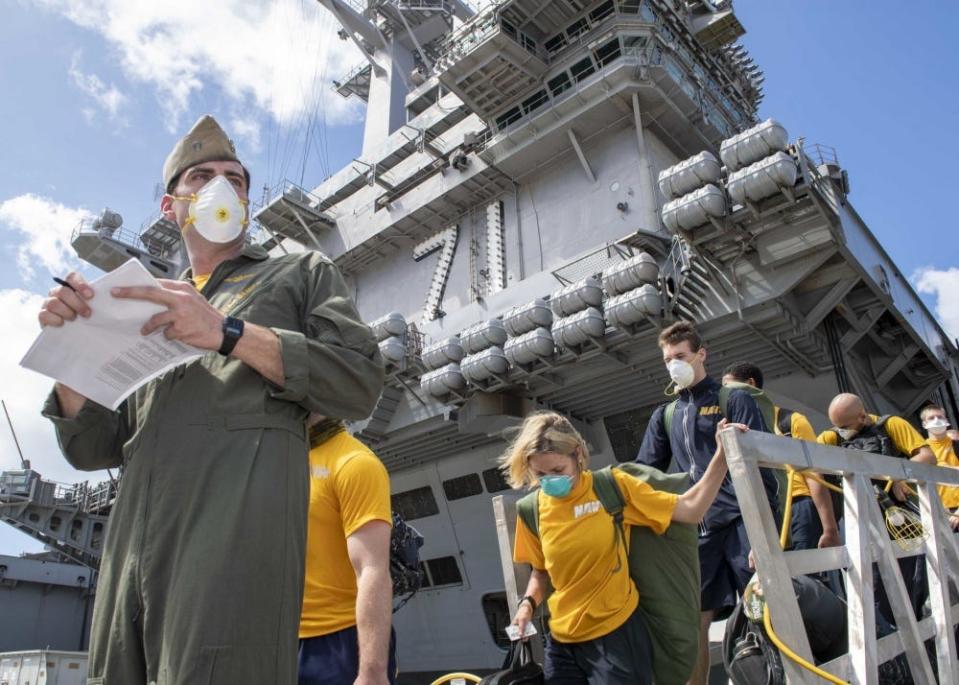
[104, 357]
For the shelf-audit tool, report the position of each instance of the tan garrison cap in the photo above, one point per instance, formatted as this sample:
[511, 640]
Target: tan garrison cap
[206, 142]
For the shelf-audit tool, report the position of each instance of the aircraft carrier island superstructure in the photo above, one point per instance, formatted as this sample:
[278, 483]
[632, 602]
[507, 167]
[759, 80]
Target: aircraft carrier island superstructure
[543, 185]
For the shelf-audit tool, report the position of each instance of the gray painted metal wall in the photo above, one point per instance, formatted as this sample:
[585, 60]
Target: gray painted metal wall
[44, 604]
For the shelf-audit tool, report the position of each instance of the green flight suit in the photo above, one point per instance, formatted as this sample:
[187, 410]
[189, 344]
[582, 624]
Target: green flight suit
[202, 572]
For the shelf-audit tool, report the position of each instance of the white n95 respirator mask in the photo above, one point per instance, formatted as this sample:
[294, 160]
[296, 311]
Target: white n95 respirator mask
[216, 211]
[681, 374]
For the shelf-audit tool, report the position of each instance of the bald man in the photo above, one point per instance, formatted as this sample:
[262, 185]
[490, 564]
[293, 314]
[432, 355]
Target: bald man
[855, 428]
[891, 436]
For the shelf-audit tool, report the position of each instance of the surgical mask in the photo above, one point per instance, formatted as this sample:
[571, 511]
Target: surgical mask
[847, 433]
[216, 211]
[556, 486]
[681, 373]
[936, 426]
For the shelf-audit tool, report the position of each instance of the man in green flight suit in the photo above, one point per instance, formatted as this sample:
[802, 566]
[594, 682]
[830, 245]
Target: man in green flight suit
[202, 571]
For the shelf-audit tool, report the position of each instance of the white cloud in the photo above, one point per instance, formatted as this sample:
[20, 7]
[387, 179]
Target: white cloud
[108, 98]
[945, 286]
[247, 128]
[278, 57]
[44, 228]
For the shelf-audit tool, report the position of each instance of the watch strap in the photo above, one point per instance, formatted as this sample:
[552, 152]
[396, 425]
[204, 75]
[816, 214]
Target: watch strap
[232, 332]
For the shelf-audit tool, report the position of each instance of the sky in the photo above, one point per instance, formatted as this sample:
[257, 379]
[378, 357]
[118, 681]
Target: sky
[97, 91]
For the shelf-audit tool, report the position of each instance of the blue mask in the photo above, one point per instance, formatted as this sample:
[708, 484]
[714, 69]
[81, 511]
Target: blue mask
[556, 486]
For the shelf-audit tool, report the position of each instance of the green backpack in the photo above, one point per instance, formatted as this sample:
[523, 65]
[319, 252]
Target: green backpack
[665, 569]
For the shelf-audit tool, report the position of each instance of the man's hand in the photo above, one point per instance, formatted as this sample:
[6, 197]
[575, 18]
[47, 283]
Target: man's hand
[952, 434]
[752, 560]
[900, 491]
[954, 522]
[63, 304]
[720, 427]
[189, 318]
[829, 538]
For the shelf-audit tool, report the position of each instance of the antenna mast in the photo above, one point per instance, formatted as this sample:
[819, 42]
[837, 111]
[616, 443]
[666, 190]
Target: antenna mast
[23, 462]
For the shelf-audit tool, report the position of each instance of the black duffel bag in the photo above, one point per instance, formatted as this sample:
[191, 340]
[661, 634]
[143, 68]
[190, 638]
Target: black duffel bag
[520, 669]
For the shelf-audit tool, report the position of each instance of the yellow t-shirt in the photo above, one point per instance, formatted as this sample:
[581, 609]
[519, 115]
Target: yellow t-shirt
[904, 437]
[200, 281]
[945, 456]
[349, 487]
[578, 546]
[799, 429]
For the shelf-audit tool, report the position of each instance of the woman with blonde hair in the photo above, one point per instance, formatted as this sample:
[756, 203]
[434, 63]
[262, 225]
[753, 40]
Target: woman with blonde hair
[596, 633]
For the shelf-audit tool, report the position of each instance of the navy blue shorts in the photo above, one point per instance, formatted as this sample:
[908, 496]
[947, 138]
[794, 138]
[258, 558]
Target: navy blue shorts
[724, 567]
[805, 528]
[334, 659]
[623, 657]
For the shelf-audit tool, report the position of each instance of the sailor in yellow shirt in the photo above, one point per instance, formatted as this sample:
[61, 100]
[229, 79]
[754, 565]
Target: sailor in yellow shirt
[890, 436]
[597, 636]
[812, 521]
[345, 632]
[942, 442]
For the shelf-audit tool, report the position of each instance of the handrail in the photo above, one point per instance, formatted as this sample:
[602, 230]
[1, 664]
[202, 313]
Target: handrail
[867, 543]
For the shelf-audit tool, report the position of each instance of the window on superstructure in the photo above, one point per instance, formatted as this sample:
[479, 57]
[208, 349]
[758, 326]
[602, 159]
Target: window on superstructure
[601, 12]
[582, 69]
[508, 29]
[527, 43]
[415, 504]
[630, 6]
[577, 28]
[607, 52]
[559, 83]
[634, 45]
[444, 571]
[555, 44]
[497, 614]
[494, 481]
[508, 117]
[534, 102]
[462, 487]
[426, 575]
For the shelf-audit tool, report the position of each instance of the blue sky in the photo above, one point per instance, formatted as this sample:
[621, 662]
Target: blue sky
[98, 90]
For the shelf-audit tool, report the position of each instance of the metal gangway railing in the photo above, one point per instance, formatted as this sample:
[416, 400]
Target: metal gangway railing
[867, 543]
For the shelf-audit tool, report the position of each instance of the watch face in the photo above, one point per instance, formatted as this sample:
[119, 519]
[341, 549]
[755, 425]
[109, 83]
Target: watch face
[233, 326]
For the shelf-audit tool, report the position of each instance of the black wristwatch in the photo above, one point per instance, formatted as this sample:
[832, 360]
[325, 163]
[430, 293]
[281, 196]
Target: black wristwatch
[532, 602]
[232, 331]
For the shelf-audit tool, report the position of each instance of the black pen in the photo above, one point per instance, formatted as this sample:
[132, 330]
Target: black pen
[62, 282]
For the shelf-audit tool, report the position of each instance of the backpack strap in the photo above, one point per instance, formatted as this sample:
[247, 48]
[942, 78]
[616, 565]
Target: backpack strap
[724, 391]
[784, 422]
[611, 497]
[668, 414]
[527, 508]
[608, 493]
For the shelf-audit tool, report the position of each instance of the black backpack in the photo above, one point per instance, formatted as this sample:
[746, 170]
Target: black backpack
[748, 656]
[519, 668]
[873, 439]
[405, 569]
[751, 659]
